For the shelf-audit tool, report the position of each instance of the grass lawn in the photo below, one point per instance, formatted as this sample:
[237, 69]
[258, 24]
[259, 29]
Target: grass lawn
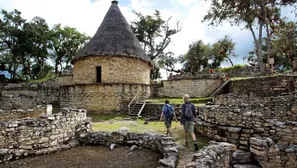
[179, 100]
[111, 123]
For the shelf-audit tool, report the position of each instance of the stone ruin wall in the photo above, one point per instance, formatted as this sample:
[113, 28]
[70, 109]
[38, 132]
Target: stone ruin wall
[29, 95]
[263, 87]
[24, 137]
[102, 98]
[61, 92]
[13, 114]
[266, 126]
[179, 87]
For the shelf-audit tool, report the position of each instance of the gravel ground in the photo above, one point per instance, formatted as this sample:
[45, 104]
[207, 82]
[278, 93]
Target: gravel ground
[89, 157]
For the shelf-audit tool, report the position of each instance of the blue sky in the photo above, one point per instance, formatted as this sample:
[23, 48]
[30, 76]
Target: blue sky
[87, 15]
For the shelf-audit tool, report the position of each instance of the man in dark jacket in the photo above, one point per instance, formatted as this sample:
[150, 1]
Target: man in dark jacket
[188, 122]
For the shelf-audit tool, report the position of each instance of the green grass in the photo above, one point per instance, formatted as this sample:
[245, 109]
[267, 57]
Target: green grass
[227, 69]
[196, 101]
[106, 117]
[110, 123]
[47, 77]
[241, 78]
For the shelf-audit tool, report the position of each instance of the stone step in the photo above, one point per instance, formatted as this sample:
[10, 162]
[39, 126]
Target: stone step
[245, 166]
[242, 157]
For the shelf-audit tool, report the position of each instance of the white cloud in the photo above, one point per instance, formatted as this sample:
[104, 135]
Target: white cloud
[187, 3]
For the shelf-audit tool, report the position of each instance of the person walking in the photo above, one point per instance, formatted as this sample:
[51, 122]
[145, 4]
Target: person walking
[188, 117]
[168, 115]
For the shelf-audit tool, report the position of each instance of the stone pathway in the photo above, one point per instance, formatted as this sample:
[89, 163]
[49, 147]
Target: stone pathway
[185, 156]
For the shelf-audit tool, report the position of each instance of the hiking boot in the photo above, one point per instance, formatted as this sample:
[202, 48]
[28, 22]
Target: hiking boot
[186, 144]
[196, 146]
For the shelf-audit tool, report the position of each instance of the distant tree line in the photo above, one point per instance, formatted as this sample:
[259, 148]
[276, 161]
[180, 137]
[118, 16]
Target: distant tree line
[31, 49]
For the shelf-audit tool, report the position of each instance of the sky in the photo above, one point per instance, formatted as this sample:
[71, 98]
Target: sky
[87, 15]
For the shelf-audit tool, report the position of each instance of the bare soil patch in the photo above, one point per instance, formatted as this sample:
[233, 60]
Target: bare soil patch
[89, 157]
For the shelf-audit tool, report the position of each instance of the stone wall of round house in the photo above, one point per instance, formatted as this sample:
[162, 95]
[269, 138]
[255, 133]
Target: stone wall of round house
[102, 98]
[113, 70]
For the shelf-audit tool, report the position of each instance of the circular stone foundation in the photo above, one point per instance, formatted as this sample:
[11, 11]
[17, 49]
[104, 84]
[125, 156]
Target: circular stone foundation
[91, 156]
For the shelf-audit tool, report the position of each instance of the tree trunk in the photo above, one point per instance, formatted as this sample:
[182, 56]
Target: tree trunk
[56, 67]
[268, 46]
[294, 64]
[230, 61]
[260, 44]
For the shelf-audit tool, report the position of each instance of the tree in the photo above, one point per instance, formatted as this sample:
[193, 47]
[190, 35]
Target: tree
[154, 34]
[223, 49]
[168, 61]
[11, 39]
[65, 43]
[285, 40]
[37, 35]
[197, 58]
[25, 46]
[260, 14]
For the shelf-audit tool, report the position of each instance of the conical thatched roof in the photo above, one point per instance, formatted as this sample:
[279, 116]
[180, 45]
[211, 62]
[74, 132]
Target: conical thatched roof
[114, 37]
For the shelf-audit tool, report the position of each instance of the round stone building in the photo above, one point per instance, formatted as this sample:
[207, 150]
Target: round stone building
[110, 70]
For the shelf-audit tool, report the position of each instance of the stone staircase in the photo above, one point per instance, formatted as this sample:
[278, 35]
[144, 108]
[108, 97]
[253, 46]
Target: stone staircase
[137, 109]
[218, 89]
[243, 159]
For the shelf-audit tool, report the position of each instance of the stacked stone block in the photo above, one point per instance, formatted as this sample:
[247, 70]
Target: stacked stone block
[194, 87]
[102, 98]
[14, 114]
[29, 95]
[263, 87]
[23, 137]
[114, 70]
[215, 155]
[270, 154]
[243, 120]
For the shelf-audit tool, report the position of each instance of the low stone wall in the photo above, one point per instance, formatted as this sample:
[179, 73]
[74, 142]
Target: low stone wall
[261, 87]
[180, 87]
[156, 142]
[215, 155]
[236, 126]
[20, 138]
[20, 113]
[102, 98]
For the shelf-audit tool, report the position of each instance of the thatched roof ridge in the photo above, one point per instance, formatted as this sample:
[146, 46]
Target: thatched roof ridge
[114, 37]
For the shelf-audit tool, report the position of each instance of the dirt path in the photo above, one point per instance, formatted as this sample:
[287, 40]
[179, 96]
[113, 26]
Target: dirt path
[91, 157]
[185, 155]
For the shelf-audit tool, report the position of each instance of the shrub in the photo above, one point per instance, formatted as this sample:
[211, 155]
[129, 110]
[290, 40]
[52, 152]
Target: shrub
[235, 67]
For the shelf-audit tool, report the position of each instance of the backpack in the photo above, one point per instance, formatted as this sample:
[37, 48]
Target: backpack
[168, 112]
[188, 111]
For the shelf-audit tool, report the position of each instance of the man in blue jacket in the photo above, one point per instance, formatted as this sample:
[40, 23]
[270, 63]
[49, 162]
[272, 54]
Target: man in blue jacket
[168, 114]
[188, 117]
